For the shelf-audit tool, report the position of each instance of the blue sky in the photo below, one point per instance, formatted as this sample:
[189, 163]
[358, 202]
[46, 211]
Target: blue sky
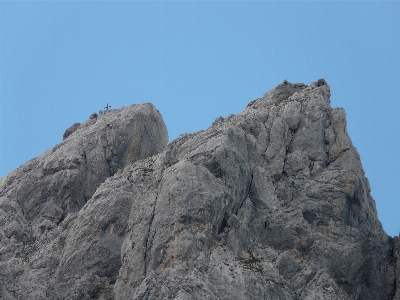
[196, 61]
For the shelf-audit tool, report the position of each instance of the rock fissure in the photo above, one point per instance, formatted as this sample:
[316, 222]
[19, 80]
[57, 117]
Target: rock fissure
[106, 150]
[247, 193]
[148, 235]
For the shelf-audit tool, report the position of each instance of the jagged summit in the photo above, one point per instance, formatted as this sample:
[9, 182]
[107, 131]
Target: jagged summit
[271, 203]
[64, 178]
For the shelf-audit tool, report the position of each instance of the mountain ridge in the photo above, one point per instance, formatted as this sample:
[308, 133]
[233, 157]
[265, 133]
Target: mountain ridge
[271, 203]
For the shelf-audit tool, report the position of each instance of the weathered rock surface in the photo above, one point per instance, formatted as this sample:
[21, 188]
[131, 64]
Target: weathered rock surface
[39, 199]
[396, 255]
[269, 204]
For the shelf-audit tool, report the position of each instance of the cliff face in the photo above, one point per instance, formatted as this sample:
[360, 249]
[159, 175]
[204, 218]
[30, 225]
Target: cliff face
[269, 204]
[40, 199]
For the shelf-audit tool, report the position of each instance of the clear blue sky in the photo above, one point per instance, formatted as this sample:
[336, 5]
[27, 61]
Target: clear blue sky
[196, 61]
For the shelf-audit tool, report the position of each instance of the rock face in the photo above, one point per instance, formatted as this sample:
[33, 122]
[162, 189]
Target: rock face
[39, 199]
[269, 204]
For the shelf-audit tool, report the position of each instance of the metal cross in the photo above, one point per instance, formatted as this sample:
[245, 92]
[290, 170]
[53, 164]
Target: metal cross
[107, 107]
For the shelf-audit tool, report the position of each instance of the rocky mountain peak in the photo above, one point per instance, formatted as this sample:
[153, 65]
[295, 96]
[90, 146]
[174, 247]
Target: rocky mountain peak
[271, 203]
[64, 178]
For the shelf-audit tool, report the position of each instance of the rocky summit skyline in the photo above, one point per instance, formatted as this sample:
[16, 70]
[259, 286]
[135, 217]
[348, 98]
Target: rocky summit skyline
[271, 203]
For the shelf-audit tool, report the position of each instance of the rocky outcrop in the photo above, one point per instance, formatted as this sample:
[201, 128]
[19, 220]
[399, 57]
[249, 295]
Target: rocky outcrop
[71, 130]
[269, 204]
[38, 199]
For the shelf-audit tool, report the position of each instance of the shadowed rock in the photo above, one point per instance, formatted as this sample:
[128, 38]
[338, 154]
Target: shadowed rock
[71, 130]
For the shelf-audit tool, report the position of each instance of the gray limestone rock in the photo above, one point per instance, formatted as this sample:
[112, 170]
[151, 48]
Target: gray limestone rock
[38, 199]
[71, 130]
[269, 204]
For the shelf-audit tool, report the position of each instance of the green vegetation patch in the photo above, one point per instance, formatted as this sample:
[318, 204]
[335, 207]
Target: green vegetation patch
[251, 264]
[146, 170]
